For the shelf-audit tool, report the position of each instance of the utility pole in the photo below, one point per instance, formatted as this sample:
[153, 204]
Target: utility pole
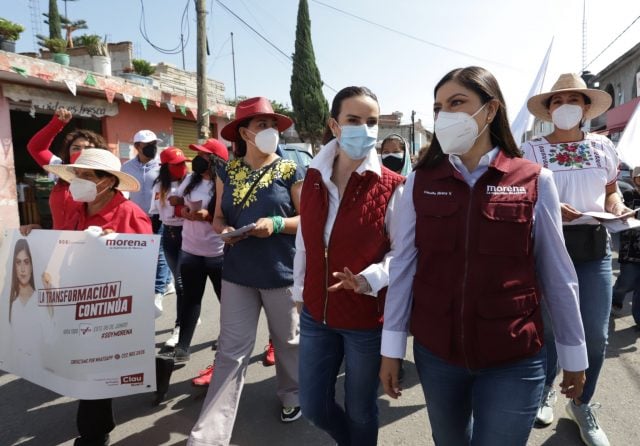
[182, 50]
[203, 109]
[413, 132]
[233, 59]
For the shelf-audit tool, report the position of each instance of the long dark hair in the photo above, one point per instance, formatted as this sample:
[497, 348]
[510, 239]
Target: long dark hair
[197, 178]
[485, 85]
[164, 179]
[336, 106]
[240, 145]
[21, 245]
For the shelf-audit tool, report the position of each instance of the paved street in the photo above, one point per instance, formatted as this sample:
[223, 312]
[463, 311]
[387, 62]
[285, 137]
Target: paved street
[33, 416]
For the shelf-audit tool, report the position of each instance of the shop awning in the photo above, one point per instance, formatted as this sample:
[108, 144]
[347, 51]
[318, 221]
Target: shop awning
[618, 117]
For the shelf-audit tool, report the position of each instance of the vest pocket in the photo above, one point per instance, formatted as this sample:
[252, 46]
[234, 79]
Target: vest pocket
[505, 229]
[436, 225]
[507, 327]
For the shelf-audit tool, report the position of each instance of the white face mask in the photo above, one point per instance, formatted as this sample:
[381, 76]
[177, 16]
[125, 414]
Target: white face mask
[267, 140]
[83, 190]
[457, 131]
[567, 116]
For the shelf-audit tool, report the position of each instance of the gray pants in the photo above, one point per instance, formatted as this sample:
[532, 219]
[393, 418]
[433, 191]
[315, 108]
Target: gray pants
[239, 313]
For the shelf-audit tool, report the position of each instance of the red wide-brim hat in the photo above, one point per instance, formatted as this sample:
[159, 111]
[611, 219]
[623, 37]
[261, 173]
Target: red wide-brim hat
[212, 146]
[250, 108]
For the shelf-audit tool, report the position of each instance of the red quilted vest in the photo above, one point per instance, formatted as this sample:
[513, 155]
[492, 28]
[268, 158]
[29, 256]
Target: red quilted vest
[475, 294]
[358, 239]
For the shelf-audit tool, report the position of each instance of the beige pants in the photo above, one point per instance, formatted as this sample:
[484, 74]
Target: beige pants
[239, 313]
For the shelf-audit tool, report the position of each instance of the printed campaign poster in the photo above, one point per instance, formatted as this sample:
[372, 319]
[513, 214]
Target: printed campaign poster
[76, 311]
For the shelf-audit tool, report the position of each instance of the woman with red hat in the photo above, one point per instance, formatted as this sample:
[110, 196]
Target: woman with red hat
[173, 169]
[259, 192]
[201, 250]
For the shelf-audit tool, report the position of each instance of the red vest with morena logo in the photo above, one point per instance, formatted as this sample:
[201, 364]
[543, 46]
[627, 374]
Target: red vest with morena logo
[358, 239]
[476, 302]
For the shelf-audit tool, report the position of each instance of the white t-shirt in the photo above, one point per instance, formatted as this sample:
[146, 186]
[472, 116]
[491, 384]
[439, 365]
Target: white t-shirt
[198, 237]
[581, 169]
[163, 208]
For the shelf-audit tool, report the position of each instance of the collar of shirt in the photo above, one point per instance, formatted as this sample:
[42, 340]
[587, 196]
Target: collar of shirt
[107, 213]
[148, 165]
[323, 161]
[481, 168]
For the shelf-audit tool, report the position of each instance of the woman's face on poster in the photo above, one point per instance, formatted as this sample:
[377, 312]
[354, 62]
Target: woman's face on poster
[24, 269]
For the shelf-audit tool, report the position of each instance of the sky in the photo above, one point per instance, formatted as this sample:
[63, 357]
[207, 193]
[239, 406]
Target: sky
[401, 56]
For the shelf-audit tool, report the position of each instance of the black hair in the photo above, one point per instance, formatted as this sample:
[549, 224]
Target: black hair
[164, 179]
[484, 84]
[103, 174]
[197, 178]
[240, 145]
[336, 106]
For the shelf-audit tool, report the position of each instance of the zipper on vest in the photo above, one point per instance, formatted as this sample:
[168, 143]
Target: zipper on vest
[326, 285]
[465, 277]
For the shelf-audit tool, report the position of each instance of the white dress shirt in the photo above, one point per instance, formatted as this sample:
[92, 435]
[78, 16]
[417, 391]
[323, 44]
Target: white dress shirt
[554, 269]
[377, 274]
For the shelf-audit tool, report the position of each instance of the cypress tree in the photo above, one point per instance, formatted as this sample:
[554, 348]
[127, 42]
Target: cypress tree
[310, 107]
[53, 20]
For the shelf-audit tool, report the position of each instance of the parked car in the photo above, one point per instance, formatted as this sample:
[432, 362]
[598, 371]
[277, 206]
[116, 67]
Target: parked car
[300, 156]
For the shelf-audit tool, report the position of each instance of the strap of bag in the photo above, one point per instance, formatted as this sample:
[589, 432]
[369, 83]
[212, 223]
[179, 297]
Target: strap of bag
[248, 194]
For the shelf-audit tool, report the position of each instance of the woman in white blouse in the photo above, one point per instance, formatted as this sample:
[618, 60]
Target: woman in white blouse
[585, 168]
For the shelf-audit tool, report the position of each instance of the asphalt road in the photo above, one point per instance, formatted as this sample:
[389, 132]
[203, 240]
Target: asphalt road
[31, 415]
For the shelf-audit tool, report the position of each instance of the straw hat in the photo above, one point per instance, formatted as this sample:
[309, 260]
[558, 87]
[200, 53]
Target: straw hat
[250, 108]
[96, 159]
[600, 100]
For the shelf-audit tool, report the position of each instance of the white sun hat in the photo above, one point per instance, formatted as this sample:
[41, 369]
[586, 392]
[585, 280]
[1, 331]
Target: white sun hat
[96, 159]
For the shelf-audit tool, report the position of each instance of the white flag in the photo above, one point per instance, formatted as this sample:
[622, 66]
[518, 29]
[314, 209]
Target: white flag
[629, 144]
[171, 107]
[524, 119]
[127, 98]
[71, 85]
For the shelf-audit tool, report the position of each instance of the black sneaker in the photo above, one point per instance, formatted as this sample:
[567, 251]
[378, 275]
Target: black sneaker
[289, 414]
[179, 355]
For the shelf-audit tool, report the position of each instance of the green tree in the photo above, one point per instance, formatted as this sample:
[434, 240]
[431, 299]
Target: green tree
[310, 107]
[53, 20]
[70, 26]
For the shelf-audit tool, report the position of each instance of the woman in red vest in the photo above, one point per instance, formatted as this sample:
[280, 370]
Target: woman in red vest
[479, 225]
[341, 270]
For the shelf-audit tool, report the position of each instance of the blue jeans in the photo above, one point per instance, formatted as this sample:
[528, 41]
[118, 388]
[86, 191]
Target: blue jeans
[163, 274]
[594, 281]
[484, 407]
[322, 350]
[171, 243]
[194, 271]
[628, 280]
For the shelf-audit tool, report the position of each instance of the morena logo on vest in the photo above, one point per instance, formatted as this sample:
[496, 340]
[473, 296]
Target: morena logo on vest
[506, 190]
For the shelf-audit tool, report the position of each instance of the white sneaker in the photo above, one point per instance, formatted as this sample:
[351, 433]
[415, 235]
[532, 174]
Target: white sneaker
[173, 340]
[585, 417]
[171, 289]
[545, 410]
[157, 302]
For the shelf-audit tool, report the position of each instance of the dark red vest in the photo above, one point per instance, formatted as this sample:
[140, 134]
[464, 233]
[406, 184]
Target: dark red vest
[476, 302]
[358, 239]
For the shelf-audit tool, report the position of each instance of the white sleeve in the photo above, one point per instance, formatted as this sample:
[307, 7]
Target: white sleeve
[557, 277]
[402, 268]
[153, 209]
[299, 266]
[377, 274]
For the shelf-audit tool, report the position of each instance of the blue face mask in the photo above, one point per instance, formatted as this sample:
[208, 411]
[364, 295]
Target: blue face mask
[358, 140]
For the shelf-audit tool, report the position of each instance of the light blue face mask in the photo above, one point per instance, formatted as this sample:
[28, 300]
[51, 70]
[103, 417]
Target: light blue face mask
[358, 140]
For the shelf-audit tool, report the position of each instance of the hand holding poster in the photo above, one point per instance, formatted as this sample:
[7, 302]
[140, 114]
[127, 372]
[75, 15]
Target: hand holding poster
[76, 311]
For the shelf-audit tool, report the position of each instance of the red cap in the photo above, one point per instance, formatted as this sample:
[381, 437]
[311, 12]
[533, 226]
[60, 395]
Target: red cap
[212, 146]
[172, 155]
[250, 108]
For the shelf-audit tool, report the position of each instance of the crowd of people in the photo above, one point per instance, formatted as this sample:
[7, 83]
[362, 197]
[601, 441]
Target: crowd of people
[479, 250]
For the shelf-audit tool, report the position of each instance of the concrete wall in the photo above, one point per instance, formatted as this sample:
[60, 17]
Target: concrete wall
[121, 55]
[8, 193]
[621, 76]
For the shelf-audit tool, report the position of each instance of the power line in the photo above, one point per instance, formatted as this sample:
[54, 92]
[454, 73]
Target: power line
[184, 22]
[612, 42]
[410, 36]
[265, 39]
